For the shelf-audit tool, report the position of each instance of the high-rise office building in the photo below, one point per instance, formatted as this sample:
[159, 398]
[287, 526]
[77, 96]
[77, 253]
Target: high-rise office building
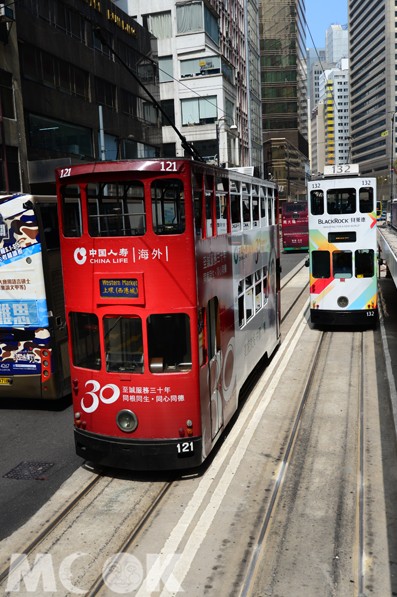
[336, 43]
[334, 92]
[372, 27]
[284, 104]
[329, 100]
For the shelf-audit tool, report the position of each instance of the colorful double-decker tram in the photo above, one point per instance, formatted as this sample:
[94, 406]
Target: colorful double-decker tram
[343, 248]
[171, 276]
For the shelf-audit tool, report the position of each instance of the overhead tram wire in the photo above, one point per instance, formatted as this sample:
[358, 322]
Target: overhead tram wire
[189, 147]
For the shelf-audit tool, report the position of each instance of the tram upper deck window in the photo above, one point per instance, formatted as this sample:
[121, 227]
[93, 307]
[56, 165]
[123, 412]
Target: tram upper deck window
[116, 209]
[247, 203]
[341, 201]
[263, 205]
[235, 207]
[366, 200]
[169, 343]
[168, 206]
[255, 205]
[71, 211]
[198, 203]
[321, 264]
[222, 206]
[198, 212]
[123, 344]
[221, 213]
[85, 340]
[317, 203]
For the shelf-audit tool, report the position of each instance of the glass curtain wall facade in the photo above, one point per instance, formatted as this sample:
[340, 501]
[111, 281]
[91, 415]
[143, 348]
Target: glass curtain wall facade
[373, 95]
[284, 83]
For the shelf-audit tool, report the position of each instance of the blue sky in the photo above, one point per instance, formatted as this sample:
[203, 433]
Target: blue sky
[320, 14]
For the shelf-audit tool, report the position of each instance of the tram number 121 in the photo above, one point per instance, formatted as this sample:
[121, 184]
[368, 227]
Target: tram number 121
[185, 448]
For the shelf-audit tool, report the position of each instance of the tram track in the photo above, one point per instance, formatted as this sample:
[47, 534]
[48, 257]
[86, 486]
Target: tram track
[51, 526]
[254, 573]
[60, 534]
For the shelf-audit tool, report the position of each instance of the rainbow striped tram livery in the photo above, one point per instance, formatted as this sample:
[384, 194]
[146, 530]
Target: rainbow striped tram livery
[343, 248]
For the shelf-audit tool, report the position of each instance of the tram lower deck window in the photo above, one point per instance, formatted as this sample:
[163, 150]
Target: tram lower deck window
[364, 263]
[85, 340]
[123, 344]
[321, 264]
[342, 264]
[169, 343]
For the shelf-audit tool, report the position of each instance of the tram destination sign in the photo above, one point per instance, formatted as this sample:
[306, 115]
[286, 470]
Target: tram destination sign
[342, 237]
[118, 288]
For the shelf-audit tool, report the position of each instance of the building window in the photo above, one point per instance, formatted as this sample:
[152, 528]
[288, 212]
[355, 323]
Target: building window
[168, 108]
[189, 17]
[146, 71]
[150, 113]
[128, 102]
[166, 69]
[159, 24]
[196, 17]
[201, 110]
[105, 93]
[9, 169]
[58, 74]
[209, 65]
[6, 95]
[99, 47]
[58, 137]
[169, 150]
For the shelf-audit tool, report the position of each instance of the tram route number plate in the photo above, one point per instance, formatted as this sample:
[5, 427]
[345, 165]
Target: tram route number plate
[5, 381]
[184, 449]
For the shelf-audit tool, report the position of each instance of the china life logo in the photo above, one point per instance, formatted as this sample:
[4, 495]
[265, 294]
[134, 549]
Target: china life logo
[80, 255]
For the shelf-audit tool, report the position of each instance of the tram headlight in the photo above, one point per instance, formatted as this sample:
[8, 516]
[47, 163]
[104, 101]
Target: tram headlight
[127, 421]
[343, 301]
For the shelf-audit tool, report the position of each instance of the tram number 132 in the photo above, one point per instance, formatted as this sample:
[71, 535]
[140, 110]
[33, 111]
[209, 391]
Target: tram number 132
[185, 449]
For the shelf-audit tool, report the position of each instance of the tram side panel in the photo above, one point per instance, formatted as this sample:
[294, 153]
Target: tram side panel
[238, 318]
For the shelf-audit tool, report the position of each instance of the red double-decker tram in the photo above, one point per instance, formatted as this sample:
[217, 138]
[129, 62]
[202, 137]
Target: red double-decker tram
[295, 226]
[171, 275]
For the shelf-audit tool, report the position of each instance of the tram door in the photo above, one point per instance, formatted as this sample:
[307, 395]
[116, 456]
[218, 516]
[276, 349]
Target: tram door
[214, 365]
